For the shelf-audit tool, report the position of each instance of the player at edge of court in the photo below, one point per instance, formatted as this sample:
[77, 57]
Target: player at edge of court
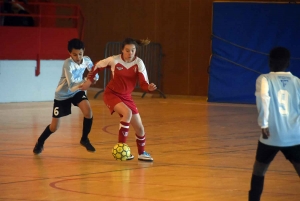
[277, 99]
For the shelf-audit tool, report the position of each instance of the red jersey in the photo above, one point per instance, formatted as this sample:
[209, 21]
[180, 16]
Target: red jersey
[124, 75]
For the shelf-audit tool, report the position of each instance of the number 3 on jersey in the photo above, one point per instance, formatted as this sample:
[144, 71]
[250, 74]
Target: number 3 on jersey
[55, 111]
[283, 101]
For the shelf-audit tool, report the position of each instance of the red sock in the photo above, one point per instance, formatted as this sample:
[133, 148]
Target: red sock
[140, 142]
[123, 131]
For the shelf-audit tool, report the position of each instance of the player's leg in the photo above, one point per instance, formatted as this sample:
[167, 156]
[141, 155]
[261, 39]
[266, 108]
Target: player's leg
[293, 155]
[60, 109]
[140, 135]
[80, 100]
[297, 167]
[125, 114]
[264, 156]
[116, 104]
[257, 180]
[39, 146]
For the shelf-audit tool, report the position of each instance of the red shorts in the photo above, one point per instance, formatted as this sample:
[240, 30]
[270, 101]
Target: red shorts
[111, 99]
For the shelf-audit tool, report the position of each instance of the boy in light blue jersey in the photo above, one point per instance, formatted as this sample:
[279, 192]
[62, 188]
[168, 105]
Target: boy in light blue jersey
[69, 92]
[278, 100]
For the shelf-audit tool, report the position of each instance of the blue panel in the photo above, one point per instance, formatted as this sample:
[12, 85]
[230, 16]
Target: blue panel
[243, 34]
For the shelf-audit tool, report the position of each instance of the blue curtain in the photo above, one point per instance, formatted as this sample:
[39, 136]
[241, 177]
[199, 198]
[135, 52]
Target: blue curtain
[242, 36]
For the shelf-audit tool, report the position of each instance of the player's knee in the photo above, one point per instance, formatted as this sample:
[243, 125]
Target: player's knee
[54, 128]
[127, 115]
[260, 169]
[88, 114]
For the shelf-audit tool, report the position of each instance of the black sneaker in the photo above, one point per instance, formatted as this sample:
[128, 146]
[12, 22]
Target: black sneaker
[38, 148]
[87, 145]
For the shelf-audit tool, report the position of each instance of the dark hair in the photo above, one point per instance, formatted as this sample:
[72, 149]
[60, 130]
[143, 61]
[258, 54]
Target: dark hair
[279, 59]
[135, 42]
[75, 43]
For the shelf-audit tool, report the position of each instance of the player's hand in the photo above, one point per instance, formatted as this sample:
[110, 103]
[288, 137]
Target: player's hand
[89, 75]
[84, 86]
[152, 87]
[265, 133]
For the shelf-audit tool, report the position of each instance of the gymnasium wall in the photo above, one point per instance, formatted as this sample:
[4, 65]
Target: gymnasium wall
[26, 42]
[18, 82]
[31, 58]
[182, 27]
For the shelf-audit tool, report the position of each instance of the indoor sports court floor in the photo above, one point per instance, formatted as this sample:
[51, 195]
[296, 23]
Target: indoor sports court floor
[202, 152]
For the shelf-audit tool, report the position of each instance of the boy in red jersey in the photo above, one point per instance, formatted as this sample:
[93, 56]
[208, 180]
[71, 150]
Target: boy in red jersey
[126, 68]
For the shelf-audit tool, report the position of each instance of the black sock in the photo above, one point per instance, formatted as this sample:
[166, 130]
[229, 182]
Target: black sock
[257, 185]
[87, 125]
[47, 132]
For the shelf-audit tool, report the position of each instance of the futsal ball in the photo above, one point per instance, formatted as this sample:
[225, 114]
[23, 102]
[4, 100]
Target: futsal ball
[121, 151]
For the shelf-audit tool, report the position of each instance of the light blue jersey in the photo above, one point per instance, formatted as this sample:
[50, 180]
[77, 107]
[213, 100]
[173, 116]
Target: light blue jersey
[72, 77]
[278, 103]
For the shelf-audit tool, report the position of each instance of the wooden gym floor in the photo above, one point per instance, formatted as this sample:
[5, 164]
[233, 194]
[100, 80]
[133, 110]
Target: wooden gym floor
[202, 152]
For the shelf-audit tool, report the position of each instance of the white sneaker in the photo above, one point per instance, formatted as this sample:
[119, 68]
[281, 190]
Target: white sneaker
[145, 157]
[130, 157]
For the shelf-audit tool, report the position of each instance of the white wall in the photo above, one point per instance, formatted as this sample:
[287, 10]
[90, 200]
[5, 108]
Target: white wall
[18, 82]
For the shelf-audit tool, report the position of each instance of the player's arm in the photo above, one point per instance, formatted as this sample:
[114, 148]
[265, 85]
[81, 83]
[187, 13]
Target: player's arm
[100, 65]
[90, 65]
[90, 78]
[145, 86]
[143, 79]
[262, 103]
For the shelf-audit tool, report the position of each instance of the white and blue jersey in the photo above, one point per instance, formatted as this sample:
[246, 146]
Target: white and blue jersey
[278, 103]
[72, 77]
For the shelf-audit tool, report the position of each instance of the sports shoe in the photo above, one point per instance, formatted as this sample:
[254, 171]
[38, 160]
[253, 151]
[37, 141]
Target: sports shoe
[145, 157]
[130, 158]
[38, 148]
[86, 143]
